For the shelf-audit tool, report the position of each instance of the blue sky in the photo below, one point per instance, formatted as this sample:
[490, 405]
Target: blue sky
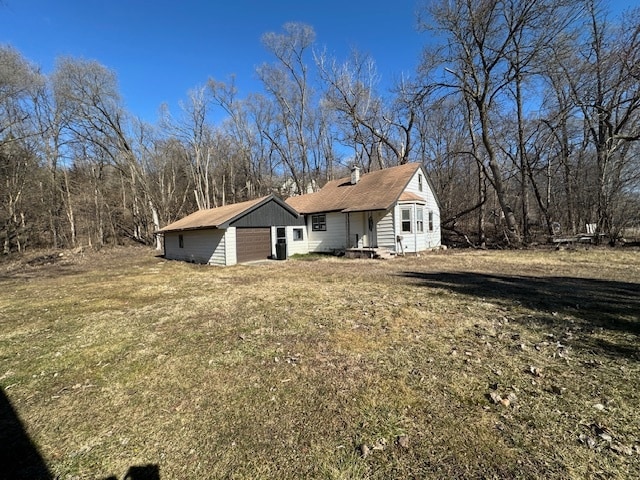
[160, 49]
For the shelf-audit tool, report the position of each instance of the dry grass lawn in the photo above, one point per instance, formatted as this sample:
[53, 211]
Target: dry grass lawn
[515, 364]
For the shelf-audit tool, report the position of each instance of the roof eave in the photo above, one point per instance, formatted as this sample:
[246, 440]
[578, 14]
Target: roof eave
[366, 209]
[188, 229]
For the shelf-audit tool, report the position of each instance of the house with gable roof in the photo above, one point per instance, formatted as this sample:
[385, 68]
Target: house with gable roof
[395, 209]
[236, 233]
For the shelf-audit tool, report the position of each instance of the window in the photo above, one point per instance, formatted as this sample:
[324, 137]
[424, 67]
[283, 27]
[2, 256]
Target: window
[420, 181]
[431, 221]
[419, 220]
[318, 223]
[406, 219]
[181, 241]
[298, 234]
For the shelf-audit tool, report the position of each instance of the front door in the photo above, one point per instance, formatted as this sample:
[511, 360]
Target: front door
[372, 233]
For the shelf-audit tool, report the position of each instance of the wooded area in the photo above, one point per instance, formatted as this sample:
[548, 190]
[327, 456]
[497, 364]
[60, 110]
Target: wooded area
[526, 114]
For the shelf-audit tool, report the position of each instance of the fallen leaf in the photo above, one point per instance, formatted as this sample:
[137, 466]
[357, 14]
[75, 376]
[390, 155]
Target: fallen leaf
[606, 437]
[622, 449]
[495, 397]
[364, 451]
[380, 444]
[535, 371]
[403, 441]
[587, 440]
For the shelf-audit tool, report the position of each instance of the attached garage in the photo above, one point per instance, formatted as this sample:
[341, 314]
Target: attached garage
[253, 244]
[238, 233]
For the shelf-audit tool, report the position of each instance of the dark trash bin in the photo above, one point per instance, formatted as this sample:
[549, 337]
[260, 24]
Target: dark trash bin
[281, 251]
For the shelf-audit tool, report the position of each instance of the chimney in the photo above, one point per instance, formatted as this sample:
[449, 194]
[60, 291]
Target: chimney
[355, 174]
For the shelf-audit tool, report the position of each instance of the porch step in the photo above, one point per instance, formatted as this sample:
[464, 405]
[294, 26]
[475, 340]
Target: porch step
[373, 253]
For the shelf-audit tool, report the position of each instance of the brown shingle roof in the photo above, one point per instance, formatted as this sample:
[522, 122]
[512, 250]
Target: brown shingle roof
[212, 217]
[410, 197]
[377, 190]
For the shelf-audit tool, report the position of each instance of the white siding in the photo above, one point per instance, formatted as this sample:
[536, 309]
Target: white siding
[299, 247]
[199, 246]
[386, 232]
[429, 239]
[334, 238]
[274, 239]
[294, 247]
[230, 257]
[434, 237]
[408, 238]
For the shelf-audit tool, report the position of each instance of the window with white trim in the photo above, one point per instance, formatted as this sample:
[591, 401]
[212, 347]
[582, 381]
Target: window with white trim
[420, 181]
[419, 220]
[405, 215]
[430, 221]
[319, 223]
[298, 234]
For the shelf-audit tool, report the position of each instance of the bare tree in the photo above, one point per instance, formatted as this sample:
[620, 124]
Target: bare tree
[376, 129]
[242, 127]
[287, 82]
[20, 83]
[99, 123]
[491, 46]
[192, 128]
[608, 94]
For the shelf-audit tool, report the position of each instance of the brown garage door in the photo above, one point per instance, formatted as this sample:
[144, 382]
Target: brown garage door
[253, 244]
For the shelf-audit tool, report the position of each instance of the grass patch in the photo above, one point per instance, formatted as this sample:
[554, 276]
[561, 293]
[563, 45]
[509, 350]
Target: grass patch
[519, 364]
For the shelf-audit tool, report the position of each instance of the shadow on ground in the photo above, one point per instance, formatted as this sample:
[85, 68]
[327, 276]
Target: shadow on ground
[594, 304]
[142, 472]
[19, 457]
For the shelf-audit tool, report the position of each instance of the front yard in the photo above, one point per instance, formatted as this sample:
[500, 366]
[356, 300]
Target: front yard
[464, 364]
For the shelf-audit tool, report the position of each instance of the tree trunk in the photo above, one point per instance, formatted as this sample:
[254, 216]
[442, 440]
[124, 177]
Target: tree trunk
[482, 197]
[156, 225]
[69, 210]
[513, 235]
[524, 197]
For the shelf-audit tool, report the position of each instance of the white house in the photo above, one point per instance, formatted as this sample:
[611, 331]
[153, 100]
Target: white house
[242, 232]
[394, 209]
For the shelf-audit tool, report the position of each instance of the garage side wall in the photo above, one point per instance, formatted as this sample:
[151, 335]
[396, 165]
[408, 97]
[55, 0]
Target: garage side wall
[230, 247]
[198, 246]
